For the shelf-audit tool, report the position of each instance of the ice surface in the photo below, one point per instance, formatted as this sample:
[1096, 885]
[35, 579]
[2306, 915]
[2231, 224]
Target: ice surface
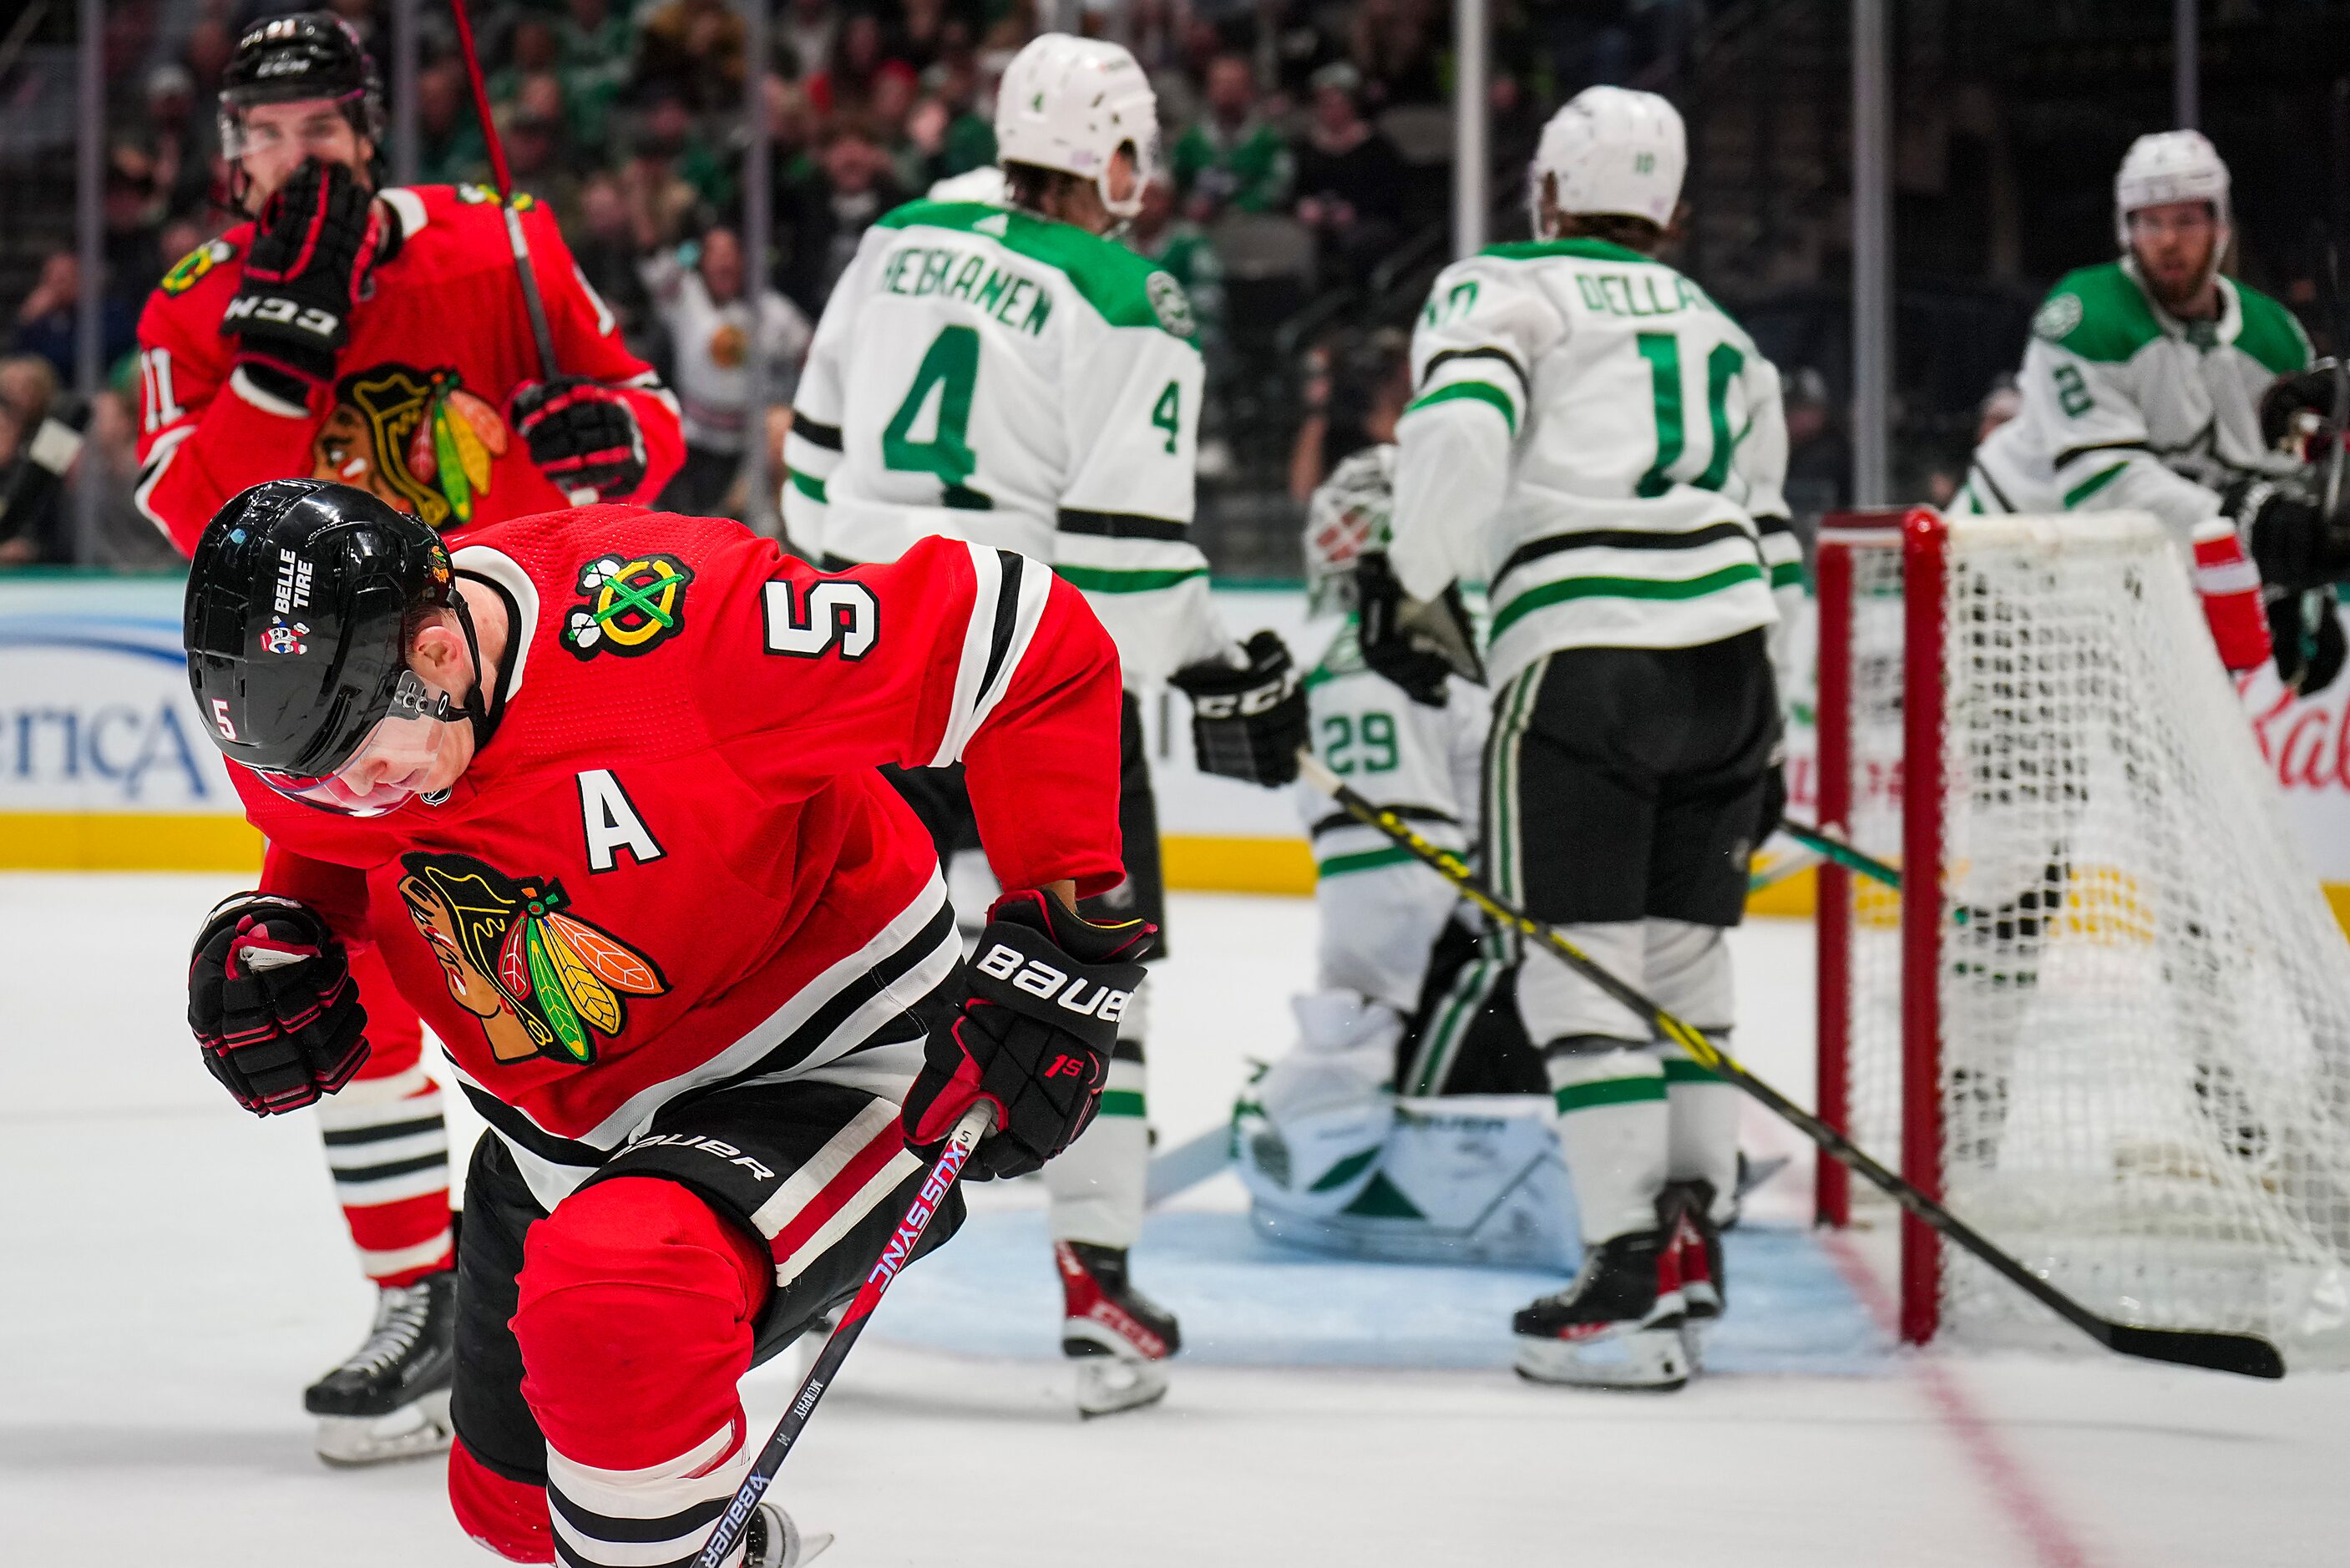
[176, 1271]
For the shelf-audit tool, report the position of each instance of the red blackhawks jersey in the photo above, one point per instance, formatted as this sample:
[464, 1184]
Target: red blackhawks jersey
[674, 864]
[416, 414]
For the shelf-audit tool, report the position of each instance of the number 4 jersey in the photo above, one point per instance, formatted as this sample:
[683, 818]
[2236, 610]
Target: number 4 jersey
[1595, 440]
[997, 376]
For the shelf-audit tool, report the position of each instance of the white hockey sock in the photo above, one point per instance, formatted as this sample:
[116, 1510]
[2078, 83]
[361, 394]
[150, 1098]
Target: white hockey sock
[1704, 1122]
[1098, 1183]
[1613, 1127]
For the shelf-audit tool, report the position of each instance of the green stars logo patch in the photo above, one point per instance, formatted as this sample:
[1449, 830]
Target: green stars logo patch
[2058, 318]
[633, 607]
[1171, 305]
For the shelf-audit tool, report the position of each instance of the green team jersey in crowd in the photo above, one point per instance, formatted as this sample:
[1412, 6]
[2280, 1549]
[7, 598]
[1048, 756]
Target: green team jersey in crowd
[2128, 406]
[1595, 440]
[998, 377]
[1248, 167]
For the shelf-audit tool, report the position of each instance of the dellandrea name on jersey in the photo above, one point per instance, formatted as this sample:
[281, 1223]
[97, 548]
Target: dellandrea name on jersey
[997, 376]
[1606, 447]
[2126, 406]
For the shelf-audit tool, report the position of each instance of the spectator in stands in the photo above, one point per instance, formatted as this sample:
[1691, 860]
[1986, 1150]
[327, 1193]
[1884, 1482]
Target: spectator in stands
[1393, 44]
[695, 49]
[828, 203]
[535, 153]
[44, 534]
[182, 140]
[1357, 385]
[448, 146]
[1350, 180]
[132, 211]
[808, 29]
[661, 201]
[954, 82]
[532, 49]
[45, 320]
[702, 300]
[667, 135]
[859, 58]
[923, 33]
[1819, 458]
[207, 53]
[605, 246]
[1231, 157]
[595, 49]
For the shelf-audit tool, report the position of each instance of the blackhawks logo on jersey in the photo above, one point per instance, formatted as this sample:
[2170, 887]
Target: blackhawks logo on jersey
[415, 438]
[633, 607]
[542, 982]
[190, 268]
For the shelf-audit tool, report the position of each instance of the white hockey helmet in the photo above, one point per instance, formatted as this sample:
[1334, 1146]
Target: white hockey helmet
[1070, 103]
[2171, 166]
[1347, 515]
[1612, 150]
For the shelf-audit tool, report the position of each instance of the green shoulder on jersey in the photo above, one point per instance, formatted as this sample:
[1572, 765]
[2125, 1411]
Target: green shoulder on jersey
[2101, 314]
[1124, 289]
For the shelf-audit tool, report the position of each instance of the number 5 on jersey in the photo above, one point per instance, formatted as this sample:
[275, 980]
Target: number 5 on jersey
[842, 614]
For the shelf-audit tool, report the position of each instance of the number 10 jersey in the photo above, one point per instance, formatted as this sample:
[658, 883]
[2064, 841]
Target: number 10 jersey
[995, 376]
[1598, 442]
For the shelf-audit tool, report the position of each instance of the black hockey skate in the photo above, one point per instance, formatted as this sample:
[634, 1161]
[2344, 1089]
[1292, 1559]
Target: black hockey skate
[1118, 1338]
[772, 1540]
[389, 1400]
[1618, 1326]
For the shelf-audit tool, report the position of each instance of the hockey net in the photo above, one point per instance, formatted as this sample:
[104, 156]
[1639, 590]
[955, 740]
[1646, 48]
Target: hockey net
[2107, 1015]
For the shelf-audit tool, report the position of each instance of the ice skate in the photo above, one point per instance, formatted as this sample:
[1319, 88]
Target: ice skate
[390, 1399]
[1118, 1338]
[1696, 1245]
[772, 1540]
[1618, 1326]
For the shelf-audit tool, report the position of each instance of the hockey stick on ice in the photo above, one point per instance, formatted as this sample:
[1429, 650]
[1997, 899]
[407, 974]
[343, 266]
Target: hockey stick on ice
[1843, 854]
[727, 1533]
[2239, 1353]
[532, 303]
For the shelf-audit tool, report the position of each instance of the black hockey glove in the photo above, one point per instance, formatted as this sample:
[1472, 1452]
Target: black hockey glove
[2286, 531]
[2305, 639]
[271, 1003]
[1048, 988]
[582, 436]
[312, 246]
[1248, 722]
[1415, 643]
[2310, 391]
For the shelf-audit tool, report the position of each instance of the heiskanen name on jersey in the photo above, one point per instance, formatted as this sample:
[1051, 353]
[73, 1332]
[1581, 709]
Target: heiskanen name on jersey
[2127, 404]
[1606, 447]
[1017, 382]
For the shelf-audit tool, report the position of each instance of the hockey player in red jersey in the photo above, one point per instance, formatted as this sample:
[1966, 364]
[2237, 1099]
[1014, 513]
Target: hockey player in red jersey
[378, 338]
[601, 789]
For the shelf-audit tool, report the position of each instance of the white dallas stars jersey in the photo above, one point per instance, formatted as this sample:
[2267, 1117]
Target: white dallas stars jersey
[2126, 407]
[997, 376]
[1380, 909]
[1595, 441]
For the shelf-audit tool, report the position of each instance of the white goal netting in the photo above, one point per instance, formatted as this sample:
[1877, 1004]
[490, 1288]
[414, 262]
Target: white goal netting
[2143, 1000]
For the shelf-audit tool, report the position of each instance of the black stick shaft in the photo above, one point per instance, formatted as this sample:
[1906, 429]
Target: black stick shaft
[727, 1533]
[2238, 1352]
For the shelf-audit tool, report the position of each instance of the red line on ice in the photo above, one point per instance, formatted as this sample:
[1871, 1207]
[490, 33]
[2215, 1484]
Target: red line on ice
[2053, 1543]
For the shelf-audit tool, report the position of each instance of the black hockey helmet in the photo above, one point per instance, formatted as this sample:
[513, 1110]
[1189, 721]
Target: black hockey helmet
[301, 597]
[307, 54]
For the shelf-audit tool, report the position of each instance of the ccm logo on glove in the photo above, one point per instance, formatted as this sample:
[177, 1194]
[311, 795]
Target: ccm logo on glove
[1047, 983]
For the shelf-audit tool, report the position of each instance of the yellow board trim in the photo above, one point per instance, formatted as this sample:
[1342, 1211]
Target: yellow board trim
[89, 841]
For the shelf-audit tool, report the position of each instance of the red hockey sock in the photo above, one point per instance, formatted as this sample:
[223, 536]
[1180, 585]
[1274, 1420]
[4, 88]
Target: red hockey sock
[387, 1144]
[506, 1516]
[635, 1323]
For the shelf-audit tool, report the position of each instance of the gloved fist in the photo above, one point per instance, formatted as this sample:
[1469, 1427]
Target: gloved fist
[582, 436]
[2310, 391]
[1248, 722]
[1415, 643]
[272, 1004]
[2306, 630]
[316, 239]
[1048, 988]
[2291, 540]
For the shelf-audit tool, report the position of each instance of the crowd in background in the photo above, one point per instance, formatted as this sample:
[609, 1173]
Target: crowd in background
[628, 118]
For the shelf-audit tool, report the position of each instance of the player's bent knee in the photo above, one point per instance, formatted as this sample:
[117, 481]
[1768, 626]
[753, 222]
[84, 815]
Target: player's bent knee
[508, 1517]
[635, 1318]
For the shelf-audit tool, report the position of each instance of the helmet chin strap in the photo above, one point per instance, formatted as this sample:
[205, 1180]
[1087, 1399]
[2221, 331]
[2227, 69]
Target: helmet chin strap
[484, 713]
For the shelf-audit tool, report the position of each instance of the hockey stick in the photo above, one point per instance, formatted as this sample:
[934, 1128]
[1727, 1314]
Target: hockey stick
[2239, 1353]
[1843, 854]
[727, 1533]
[532, 303]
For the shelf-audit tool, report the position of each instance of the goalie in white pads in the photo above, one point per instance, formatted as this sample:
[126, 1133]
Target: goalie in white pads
[1411, 997]
[1002, 372]
[1599, 441]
